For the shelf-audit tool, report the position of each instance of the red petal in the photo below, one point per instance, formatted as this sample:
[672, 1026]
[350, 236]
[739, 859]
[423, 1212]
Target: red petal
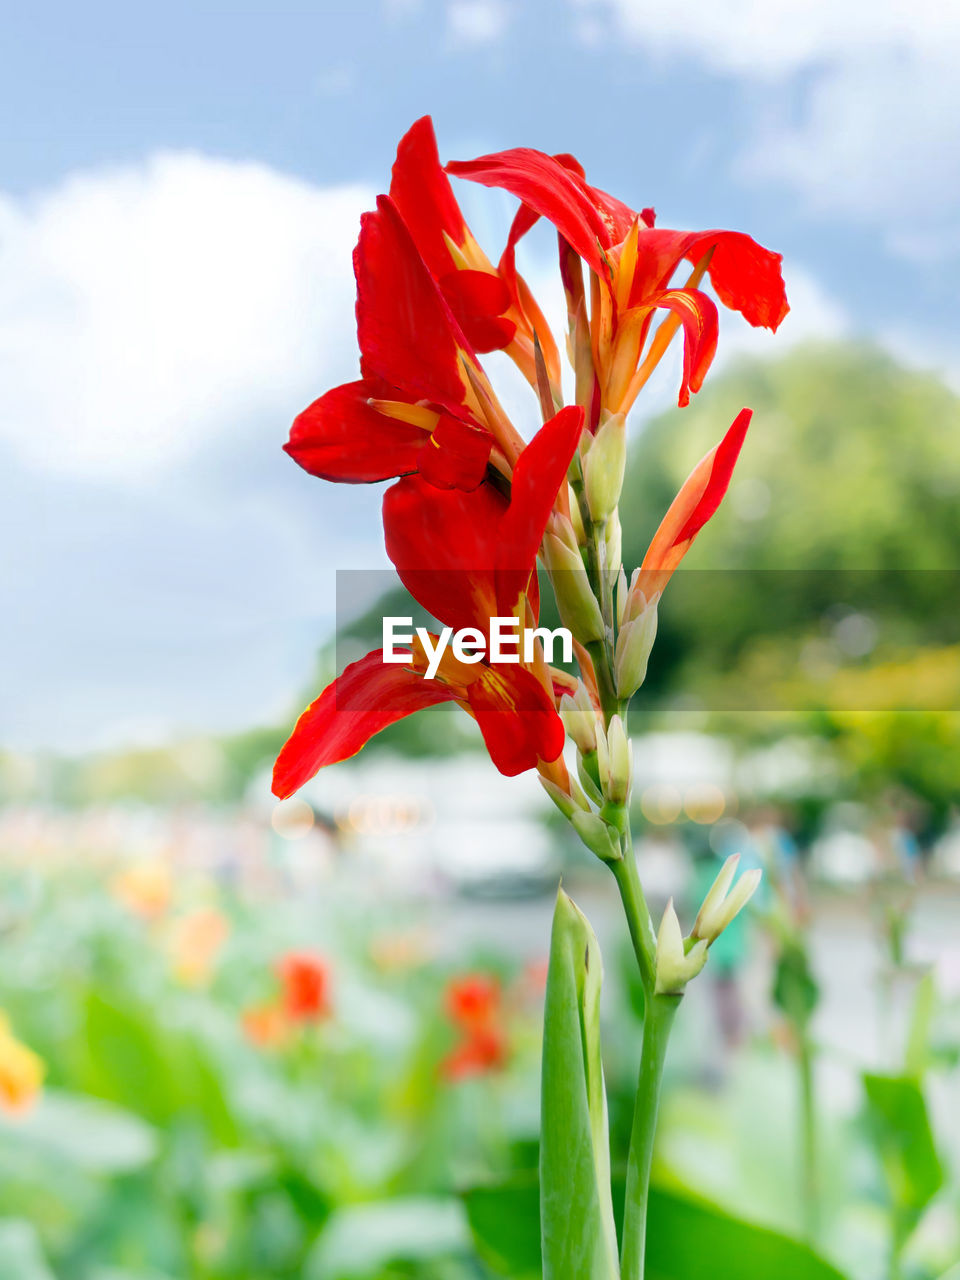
[456, 455]
[444, 546]
[341, 437]
[422, 193]
[586, 217]
[368, 696]
[746, 276]
[698, 315]
[407, 332]
[478, 301]
[540, 471]
[698, 499]
[519, 723]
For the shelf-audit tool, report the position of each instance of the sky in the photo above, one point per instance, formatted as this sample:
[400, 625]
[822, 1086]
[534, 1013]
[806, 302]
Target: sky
[180, 189]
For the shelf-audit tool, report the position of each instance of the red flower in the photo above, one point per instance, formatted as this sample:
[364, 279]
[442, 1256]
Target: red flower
[632, 265]
[305, 978]
[482, 1051]
[467, 557]
[473, 1000]
[473, 1004]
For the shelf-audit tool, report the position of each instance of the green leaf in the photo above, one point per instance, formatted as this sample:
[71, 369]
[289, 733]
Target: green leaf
[578, 1234]
[83, 1132]
[899, 1126]
[20, 1252]
[358, 1241]
[920, 1035]
[689, 1239]
[505, 1220]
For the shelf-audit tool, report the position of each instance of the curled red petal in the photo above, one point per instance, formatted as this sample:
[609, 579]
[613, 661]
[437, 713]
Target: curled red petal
[698, 315]
[407, 332]
[422, 193]
[368, 696]
[517, 718]
[342, 437]
[455, 456]
[478, 300]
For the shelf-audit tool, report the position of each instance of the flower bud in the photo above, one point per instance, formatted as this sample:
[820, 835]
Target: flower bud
[586, 768]
[603, 757]
[597, 836]
[619, 763]
[721, 905]
[576, 603]
[634, 644]
[568, 802]
[676, 966]
[604, 467]
[613, 537]
[579, 719]
[622, 592]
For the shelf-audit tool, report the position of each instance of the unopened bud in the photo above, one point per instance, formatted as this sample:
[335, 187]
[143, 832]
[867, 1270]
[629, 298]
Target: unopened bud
[722, 903]
[622, 592]
[634, 644]
[675, 965]
[568, 802]
[604, 467]
[613, 537]
[578, 608]
[597, 836]
[579, 719]
[619, 762]
[586, 768]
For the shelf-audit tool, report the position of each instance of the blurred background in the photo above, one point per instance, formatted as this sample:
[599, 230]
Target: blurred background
[242, 1040]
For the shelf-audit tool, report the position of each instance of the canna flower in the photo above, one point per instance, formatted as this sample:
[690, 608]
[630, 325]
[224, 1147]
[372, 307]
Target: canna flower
[632, 264]
[196, 942]
[481, 549]
[305, 979]
[21, 1072]
[473, 1000]
[265, 1025]
[145, 888]
[474, 1005]
[493, 306]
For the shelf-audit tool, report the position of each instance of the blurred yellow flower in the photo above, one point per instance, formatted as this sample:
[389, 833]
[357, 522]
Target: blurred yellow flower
[144, 888]
[195, 943]
[21, 1071]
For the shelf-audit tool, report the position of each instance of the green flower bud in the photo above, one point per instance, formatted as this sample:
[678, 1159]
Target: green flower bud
[619, 762]
[576, 603]
[675, 965]
[604, 466]
[597, 836]
[568, 802]
[579, 719]
[634, 644]
[722, 904]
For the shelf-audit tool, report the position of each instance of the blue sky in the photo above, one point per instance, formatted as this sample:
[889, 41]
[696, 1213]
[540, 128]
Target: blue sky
[178, 201]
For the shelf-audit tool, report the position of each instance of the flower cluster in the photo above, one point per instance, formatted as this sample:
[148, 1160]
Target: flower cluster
[474, 505]
[475, 1007]
[304, 997]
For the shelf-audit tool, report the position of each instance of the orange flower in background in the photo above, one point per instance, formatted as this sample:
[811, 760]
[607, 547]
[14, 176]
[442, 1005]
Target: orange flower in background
[265, 1025]
[145, 888]
[21, 1072]
[196, 942]
[305, 978]
[474, 1005]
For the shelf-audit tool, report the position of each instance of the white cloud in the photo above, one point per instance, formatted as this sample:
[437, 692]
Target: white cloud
[476, 22]
[857, 101]
[143, 311]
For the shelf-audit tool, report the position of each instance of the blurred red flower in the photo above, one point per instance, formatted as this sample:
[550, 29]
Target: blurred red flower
[305, 977]
[474, 1005]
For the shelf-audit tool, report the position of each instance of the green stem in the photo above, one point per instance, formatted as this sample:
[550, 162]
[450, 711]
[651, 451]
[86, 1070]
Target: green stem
[638, 914]
[660, 1013]
[808, 1123]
